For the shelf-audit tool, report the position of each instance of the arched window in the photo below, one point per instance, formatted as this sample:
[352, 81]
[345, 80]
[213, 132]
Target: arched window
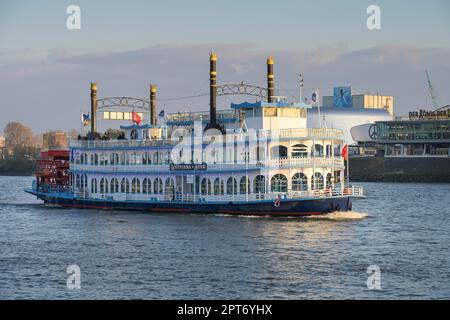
[328, 181]
[278, 183]
[114, 159]
[77, 181]
[231, 186]
[158, 186]
[146, 158]
[135, 186]
[299, 150]
[317, 181]
[95, 159]
[146, 186]
[134, 157]
[299, 182]
[169, 186]
[103, 159]
[328, 150]
[155, 158]
[83, 181]
[259, 184]
[205, 186]
[114, 185]
[103, 186]
[218, 187]
[244, 185]
[279, 152]
[94, 185]
[125, 186]
[317, 150]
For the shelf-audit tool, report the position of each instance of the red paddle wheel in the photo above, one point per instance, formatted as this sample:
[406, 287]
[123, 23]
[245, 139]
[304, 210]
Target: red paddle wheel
[52, 171]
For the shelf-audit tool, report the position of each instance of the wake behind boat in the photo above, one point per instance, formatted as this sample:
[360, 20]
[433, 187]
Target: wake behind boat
[255, 159]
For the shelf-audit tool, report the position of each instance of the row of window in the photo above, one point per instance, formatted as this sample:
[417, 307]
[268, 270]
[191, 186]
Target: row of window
[123, 158]
[148, 158]
[278, 183]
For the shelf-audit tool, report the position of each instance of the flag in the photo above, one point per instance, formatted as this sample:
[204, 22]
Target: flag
[136, 118]
[161, 114]
[344, 152]
[85, 119]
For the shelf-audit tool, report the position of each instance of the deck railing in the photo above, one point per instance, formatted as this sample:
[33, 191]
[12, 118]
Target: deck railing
[352, 191]
[304, 133]
[271, 163]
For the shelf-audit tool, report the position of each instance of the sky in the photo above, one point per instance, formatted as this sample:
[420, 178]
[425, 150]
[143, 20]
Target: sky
[45, 68]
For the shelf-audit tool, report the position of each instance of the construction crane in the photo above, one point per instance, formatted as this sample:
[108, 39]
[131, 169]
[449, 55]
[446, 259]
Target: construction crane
[432, 93]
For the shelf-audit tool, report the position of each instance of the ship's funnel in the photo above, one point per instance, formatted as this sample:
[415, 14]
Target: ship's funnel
[270, 80]
[153, 105]
[213, 93]
[93, 108]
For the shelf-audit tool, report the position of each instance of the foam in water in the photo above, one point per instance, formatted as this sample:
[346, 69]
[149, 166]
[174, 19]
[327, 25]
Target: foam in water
[341, 215]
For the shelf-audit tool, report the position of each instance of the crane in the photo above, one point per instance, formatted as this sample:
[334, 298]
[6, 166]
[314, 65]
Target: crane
[432, 93]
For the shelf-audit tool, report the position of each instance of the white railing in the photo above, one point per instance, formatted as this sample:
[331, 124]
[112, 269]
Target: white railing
[271, 163]
[301, 133]
[304, 133]
[304, 161]
[119, 143]
[353, 191]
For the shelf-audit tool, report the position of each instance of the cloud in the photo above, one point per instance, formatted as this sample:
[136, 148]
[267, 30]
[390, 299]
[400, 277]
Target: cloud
[39, 87]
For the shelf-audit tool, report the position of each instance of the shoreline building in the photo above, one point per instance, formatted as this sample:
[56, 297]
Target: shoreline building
[345, 110]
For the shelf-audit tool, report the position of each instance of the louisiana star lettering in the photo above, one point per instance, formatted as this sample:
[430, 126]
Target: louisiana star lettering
[188, 166]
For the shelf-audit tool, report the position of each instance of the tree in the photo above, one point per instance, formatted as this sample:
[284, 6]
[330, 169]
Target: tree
[18, 135]
[20, 139]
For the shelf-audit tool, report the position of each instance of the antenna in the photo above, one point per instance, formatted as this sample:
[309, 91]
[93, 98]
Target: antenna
[432, 93]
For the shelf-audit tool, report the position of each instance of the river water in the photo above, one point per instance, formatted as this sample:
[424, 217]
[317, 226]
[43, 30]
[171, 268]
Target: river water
[403, 229]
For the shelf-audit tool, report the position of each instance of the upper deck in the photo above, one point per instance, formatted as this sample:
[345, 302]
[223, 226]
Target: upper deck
[295, 134]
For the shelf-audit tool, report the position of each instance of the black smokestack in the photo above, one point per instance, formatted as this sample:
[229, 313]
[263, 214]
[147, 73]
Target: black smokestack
[270, 80]
[213, 93]
[93, 107]
[153, 105]
[212, 89]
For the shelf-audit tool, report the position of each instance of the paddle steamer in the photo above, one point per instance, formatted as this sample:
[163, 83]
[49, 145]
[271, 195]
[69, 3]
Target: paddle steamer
[254, 159]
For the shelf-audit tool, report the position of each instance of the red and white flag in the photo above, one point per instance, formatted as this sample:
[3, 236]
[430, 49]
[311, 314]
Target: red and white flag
[136, 118]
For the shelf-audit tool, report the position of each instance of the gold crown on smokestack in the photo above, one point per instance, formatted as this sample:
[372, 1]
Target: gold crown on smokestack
[93, 86]
[152, 88]
[213, 56]
[270, 60]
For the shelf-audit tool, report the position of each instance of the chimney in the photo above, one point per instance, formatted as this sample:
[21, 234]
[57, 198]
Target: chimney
[270, 80]
[93, 107]
[213, 94]
[212, 90]
[153, 105]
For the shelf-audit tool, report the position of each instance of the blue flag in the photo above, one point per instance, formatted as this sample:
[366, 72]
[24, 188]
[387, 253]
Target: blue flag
[161, 114]
[85, 119]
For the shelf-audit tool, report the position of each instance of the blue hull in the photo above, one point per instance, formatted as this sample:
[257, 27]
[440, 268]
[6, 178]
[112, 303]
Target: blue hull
[291, 207]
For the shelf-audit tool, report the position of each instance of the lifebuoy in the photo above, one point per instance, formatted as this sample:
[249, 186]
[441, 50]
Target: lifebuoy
[277, 202]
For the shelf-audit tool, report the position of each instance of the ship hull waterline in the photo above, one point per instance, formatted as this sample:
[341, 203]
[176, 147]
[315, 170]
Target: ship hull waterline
[289, 207]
